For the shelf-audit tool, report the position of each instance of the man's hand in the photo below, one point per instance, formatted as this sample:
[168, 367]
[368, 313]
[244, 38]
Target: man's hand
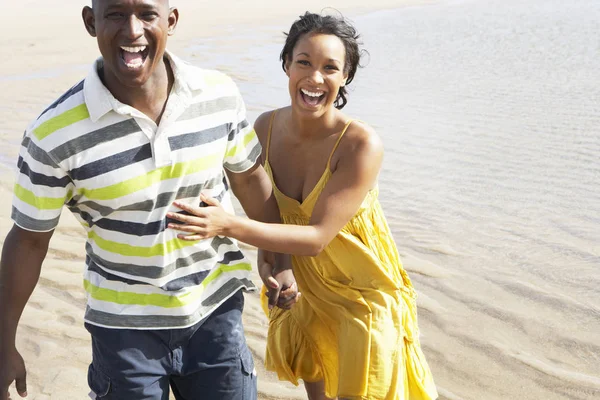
[279, 280]
[12, 368]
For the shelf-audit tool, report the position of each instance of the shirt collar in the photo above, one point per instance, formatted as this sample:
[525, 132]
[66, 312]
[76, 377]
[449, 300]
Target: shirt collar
[99, 100]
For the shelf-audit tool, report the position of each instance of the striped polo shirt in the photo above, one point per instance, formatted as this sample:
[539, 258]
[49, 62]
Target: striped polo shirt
[119, 173]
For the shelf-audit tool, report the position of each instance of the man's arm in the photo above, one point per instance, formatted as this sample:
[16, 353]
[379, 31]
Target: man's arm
[253, 190]
[22, 256]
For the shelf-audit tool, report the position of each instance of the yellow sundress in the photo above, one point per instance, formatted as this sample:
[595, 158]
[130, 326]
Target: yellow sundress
[355, 326]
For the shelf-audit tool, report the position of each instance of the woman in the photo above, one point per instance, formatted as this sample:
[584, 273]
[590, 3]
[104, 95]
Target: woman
[353, 333]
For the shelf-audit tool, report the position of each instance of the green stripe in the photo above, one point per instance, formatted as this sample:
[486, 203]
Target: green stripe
[241, 144]
[61, 121]
[128, 250]
[41, 203]
[155, 299]
[142, 182]
[225, 268]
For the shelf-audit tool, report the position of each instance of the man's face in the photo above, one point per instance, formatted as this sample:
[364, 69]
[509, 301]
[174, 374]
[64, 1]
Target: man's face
[132, 36]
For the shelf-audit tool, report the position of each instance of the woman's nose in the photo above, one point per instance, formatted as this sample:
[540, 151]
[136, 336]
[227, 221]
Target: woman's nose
[316, 77]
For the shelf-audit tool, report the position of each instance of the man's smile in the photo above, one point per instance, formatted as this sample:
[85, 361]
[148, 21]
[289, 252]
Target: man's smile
[134, 56]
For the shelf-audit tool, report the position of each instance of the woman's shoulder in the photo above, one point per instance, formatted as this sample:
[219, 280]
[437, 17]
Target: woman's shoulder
[361, 138]
[261, 125]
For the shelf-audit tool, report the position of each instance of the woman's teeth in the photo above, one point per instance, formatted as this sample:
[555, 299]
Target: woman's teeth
[312, 94]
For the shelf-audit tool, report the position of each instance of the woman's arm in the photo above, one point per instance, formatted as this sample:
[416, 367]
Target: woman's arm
[355, 174]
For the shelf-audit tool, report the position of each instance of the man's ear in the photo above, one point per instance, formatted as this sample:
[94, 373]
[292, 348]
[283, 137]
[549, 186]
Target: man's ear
[173, 19]
[89, 20]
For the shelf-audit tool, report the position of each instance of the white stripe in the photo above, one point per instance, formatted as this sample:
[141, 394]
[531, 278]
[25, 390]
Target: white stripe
[34, 212]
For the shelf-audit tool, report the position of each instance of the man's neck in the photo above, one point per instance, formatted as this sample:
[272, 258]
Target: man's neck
[151, 98]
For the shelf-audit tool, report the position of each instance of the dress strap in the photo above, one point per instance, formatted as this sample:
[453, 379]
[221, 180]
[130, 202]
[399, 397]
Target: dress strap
[271, 118]
[337, 142]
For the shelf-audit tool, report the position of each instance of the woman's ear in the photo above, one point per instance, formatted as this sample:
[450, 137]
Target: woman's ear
[344, 80]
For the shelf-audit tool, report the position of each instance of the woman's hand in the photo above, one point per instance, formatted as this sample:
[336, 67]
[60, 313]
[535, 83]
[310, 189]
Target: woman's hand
[202, 222]
[278, 278]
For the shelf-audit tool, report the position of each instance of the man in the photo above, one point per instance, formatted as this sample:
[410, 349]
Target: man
[141, 130]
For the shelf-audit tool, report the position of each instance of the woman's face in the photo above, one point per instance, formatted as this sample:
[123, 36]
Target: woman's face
[316, 72]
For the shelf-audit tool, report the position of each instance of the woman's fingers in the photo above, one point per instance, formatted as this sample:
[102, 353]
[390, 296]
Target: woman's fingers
[191, 238]
[288, 303]
[195, 221]
[211, 201]
[195, 232]
[190, 219]
[187, 228]
[186, 207]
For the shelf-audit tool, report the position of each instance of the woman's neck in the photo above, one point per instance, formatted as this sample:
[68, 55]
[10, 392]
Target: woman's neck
[314, 127]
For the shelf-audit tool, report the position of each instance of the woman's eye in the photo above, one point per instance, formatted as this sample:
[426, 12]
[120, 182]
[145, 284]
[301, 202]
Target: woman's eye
[303, 62]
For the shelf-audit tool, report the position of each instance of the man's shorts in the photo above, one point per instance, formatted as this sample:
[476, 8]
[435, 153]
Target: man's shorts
[209, 360]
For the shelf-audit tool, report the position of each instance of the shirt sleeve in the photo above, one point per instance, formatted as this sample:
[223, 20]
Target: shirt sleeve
[243, 147]
[41, 189]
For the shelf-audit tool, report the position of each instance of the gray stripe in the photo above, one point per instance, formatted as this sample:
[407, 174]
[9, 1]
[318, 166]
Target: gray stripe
[147, 228]
[29, 223]
[38, 179]
[100, 209]
[162, 200]
[154, 272]
[37, 153]
[176, 284]
[209, 107]
[222, 293]
[239, 127]
[198, 138]
[94, 138]
[195, 279]
[111, 163]
[248, 162]
[166, 321]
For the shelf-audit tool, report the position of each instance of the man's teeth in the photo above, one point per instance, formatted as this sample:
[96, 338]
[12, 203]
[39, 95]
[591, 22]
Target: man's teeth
[134, 49]
[312, 94]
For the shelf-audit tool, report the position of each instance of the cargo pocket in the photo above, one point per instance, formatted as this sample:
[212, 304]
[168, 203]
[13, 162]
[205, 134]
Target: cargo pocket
[98, 382]
[248, 375]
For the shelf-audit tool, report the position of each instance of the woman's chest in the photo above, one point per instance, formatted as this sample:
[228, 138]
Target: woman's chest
[298, 168]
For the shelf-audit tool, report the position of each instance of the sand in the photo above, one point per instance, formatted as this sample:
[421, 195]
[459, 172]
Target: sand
[46, 50]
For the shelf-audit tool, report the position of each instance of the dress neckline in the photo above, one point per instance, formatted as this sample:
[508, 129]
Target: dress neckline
[324, 177]
[319, 183]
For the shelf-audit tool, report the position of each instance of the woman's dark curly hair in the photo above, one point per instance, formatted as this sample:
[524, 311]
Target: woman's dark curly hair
[328, 25]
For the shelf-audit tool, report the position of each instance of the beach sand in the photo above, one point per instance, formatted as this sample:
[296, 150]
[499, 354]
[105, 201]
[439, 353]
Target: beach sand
[46, 50]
